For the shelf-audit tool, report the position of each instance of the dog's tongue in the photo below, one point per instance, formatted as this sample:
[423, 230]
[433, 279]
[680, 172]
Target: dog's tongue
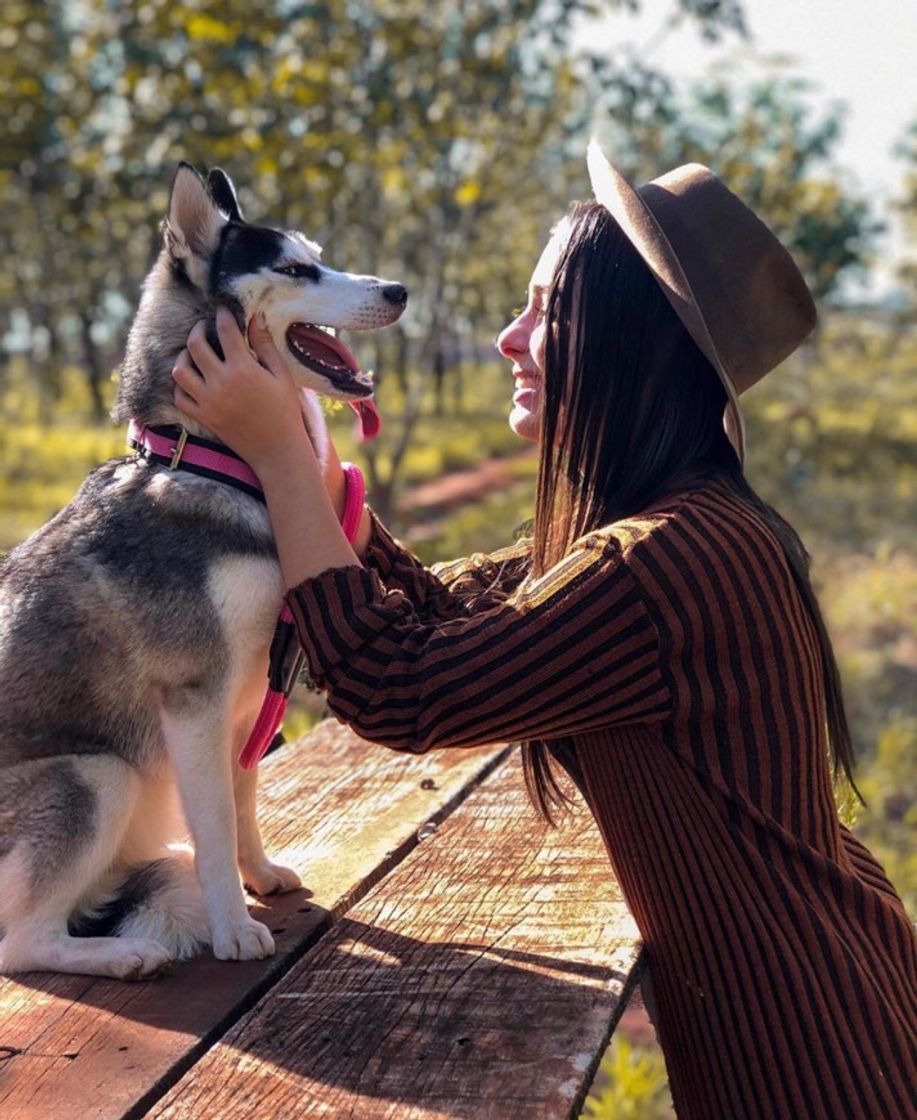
[324, 347]
[370, 420]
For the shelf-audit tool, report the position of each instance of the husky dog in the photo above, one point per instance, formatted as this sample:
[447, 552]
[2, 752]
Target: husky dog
[135, 627]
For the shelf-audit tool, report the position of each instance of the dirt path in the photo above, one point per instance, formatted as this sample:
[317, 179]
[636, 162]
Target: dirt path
[440, 495]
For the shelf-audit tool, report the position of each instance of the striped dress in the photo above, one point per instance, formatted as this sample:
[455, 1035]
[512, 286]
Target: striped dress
[676, 652]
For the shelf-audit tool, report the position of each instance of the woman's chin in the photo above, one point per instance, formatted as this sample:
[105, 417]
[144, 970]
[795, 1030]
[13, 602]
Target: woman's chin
[524, 423]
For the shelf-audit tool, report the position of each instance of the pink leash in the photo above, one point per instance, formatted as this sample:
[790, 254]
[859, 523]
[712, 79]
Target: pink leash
[285, 662]
[176, 449]
[284, 666]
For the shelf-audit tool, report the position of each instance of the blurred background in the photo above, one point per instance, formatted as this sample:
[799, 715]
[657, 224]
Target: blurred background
[435, 143]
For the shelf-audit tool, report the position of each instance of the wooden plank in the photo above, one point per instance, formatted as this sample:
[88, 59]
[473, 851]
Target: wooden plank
[340, 811]
[481, 978]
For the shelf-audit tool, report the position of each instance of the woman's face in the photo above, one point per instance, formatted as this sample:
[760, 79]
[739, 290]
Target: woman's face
[523, 341]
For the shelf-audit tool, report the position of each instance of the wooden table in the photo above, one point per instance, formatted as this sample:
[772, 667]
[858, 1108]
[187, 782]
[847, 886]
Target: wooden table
[450, 957]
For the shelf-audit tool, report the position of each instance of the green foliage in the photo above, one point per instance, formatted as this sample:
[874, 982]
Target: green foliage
[428, 141]
[888, 826]
[906, 149]
[481, 526]
[415, 131]
[44, 461]
[634, 1085]
[455, 440]
[832, 438]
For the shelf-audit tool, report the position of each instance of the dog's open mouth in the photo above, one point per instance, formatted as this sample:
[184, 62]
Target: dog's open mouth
[322, 352]
[319, 350]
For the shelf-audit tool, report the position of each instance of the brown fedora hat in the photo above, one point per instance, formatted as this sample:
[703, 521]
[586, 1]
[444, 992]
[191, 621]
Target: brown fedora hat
[733, 285]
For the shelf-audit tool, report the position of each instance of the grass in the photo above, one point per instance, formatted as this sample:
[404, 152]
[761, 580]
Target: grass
[634, 1085]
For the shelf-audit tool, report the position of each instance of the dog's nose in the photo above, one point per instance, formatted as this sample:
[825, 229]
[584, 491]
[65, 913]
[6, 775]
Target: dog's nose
[396, 294]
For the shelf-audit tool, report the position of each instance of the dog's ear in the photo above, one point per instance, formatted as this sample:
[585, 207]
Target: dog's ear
[224, 194]
[192, 228]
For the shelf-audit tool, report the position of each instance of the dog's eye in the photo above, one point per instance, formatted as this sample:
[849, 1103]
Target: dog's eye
[299, 271]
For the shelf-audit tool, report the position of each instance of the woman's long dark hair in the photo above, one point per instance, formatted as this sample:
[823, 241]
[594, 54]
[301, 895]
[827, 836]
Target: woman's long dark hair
[632, 411]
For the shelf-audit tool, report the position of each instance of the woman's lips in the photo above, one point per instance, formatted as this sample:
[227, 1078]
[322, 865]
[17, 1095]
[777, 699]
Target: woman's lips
[528, 386]
[527, 389]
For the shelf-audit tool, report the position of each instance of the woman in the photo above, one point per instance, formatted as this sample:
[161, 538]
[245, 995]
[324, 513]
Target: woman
[659, 636]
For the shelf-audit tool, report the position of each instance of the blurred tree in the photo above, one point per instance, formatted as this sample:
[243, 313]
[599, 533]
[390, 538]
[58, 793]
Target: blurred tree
[413, 137]
[906, 149]
[69, 229]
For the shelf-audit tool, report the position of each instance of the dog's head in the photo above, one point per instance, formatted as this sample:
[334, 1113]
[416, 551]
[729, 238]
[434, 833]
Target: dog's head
[279, 273]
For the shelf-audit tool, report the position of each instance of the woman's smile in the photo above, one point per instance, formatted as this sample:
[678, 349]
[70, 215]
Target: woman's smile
[526, 404]
[526, 379]
[528, 387]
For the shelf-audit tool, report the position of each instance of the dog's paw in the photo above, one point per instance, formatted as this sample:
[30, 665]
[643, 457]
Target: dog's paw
[269, 878]
[138, 958]
[246, 940]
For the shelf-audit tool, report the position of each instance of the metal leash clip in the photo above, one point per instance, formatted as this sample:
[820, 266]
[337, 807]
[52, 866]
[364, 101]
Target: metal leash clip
[286, 657]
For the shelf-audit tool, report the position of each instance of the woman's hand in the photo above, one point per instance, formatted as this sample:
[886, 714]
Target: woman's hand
[248, 398]
[250, 401]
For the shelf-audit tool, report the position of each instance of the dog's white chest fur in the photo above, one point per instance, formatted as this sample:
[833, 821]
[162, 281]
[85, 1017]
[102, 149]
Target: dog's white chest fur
[247, 594]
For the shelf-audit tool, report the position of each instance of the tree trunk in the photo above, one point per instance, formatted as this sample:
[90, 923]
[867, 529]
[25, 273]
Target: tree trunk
[402, 357]
[439, 375]
[95, 372]
[458, 389]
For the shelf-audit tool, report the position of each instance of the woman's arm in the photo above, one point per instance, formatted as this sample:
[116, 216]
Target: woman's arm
[573, 651]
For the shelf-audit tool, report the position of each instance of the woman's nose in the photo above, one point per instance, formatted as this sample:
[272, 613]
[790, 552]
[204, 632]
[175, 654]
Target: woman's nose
[513, 339]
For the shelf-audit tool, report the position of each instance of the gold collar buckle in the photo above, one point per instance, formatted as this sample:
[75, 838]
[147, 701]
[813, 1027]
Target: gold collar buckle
[179, 450]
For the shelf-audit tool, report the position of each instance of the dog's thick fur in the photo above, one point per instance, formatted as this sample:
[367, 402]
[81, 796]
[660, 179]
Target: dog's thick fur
[134, 630]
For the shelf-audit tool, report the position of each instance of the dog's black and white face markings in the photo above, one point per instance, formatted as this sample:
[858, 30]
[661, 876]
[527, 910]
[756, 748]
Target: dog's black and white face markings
[299, 271]
[279, 273]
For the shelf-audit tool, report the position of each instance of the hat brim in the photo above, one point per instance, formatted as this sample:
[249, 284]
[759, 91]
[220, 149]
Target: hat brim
[646, 235]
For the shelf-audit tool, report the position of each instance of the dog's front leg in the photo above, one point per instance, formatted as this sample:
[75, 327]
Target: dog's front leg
[258, 873]
[198, 739]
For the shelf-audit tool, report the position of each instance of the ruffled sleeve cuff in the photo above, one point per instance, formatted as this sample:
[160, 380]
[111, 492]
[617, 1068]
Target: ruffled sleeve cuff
[338, 612]
[400, 569]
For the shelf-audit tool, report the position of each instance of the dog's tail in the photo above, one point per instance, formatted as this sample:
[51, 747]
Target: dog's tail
[160, 900]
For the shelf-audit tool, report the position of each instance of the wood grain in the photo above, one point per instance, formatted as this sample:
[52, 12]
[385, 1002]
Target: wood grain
[342, 812]
[481, 978]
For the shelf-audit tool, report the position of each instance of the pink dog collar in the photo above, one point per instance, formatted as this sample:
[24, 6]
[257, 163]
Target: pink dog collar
[178, 450]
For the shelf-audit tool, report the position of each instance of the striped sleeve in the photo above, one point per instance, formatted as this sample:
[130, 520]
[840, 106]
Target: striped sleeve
[443, 590]
[573, 651]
